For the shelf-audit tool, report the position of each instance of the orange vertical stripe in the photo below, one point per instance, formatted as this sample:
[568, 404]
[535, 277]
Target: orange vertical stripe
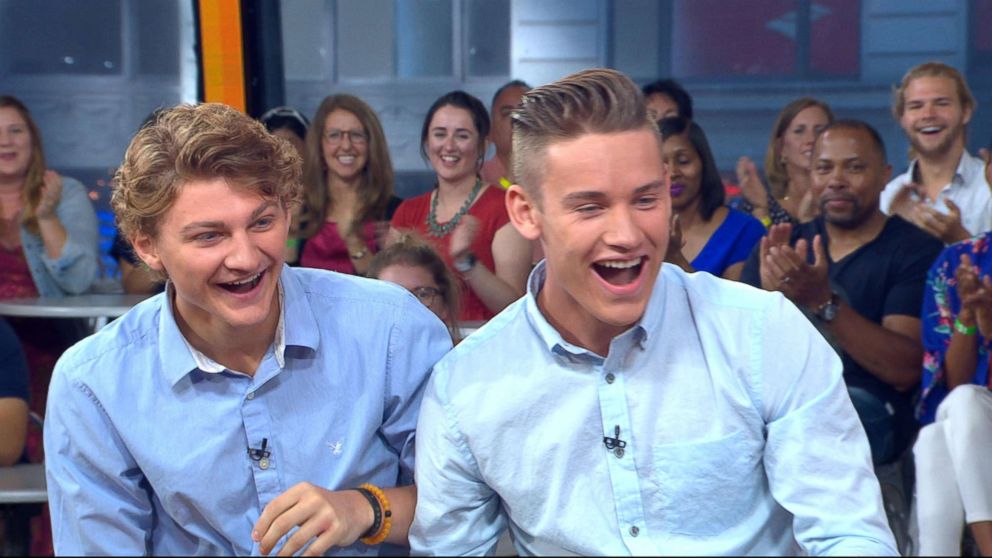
[223, 53]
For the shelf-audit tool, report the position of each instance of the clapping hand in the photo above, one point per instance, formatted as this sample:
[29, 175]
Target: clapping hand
[789, 270]
[675, 243]
[975, 295]
[51, 193]
[750, 183]
[462, 236]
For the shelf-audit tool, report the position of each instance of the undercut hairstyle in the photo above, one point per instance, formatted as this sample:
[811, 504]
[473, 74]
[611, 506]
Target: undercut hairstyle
[465, 101]
[598, 101]
[932, 69]
[34, 181]
[778, 176]
[673, 90]
[509, 85]
[199, 142]
[378, 179]
[711, 191]
[861, 125]
[412, 250]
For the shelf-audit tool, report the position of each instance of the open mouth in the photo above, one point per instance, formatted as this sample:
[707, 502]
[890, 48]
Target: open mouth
[245, 285]
[619, 272]
[346, 159]
[931, 130]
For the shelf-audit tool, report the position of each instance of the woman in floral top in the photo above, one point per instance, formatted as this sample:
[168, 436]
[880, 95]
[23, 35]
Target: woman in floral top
[954, 448]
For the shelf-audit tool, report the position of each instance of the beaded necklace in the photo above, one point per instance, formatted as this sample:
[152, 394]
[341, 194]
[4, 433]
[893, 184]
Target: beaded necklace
[435, 229]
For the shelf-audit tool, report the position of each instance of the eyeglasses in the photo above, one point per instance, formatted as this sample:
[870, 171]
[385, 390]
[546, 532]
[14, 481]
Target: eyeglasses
[357, 137]
[426, 295]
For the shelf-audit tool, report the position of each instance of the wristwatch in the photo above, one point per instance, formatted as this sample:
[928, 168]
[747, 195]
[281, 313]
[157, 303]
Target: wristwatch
[827, 311]
[465, 263]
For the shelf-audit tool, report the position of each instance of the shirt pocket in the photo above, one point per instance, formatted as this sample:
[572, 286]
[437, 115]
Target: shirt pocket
[702, 488]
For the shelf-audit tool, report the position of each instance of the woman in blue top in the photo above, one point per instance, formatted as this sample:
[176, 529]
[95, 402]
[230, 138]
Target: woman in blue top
[954, 447]
[706, 235]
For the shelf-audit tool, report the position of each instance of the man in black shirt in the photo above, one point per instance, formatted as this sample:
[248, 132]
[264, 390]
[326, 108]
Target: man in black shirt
[859, 275]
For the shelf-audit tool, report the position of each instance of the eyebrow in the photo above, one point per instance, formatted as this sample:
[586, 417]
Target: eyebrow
[220, 224]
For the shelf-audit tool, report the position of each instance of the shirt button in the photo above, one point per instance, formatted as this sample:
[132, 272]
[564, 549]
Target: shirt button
[634, 531]
[251, 395]
[610, 378]
[618, 452]
[263, 463]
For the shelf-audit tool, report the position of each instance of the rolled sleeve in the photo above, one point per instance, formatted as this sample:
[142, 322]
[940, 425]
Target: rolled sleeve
[817, 456]
[458, 514]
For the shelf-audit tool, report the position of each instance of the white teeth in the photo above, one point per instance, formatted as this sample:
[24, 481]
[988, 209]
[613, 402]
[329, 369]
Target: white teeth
[246, 281]
[346, 159]
[929, 129]
[449, 158]
[621, 264]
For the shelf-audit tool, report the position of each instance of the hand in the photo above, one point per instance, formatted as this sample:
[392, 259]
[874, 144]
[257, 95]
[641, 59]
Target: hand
[806, 285]
[463, 236]
[946, 227]
[676, 242]
[808, 208]
[975, 295]
[325, 519]
[778, 236]
[51, 193]
[751, 186]
[905, 200]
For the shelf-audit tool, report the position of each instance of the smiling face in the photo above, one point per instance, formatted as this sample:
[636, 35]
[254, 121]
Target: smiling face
[602, 218]
[15, 145]
[453, 144]
[933, 118]
[344, 157]
[686, 168]
[848, 175]
[223, 248]
[797, 140]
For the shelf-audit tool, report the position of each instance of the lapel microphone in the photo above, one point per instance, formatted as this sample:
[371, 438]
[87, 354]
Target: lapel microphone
[258, 454]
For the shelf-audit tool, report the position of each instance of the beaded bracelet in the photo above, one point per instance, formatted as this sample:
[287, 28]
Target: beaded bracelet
[382, 516]
[963, 329]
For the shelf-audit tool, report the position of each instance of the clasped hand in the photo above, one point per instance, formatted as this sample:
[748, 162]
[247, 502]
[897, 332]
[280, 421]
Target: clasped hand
[325, 517]
[975, 295]
[787, 269]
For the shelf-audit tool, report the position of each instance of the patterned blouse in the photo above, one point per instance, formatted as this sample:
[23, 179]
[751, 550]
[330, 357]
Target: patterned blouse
[940, 306]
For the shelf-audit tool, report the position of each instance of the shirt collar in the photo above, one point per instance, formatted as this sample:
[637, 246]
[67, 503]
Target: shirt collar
[968, 167]
[179, 364]
[556, 344]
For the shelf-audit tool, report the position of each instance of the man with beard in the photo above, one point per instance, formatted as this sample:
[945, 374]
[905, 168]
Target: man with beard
[945, 191]
[859, 275]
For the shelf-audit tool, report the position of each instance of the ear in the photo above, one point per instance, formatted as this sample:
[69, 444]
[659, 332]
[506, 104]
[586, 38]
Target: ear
[524, 212]
[146, 248]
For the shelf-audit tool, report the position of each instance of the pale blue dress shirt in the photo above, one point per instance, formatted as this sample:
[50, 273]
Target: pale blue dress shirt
[739, 437]
[147, 453]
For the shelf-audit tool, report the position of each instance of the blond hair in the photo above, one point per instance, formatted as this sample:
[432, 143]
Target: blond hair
[778, 175]
[932, 69]
[598, 101]
[199, 142]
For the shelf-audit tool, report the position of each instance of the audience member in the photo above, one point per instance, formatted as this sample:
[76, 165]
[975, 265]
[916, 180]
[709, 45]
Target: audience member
[860, 275]
[13, 397]
[413, 264]
[288, 124]
[462, 216]
[506, 99]
[651, 427]
[665, 98]
[242, 410]
[786, 198]
[944, 192]
[348, 177]
[136, 278]
[953, 478]
[706, 235]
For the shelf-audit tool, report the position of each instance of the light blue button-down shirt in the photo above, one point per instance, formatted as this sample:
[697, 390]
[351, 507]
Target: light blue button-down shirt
[147, 453]
[738, 435]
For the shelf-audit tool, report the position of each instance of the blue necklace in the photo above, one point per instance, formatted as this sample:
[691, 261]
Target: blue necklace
[433, 228]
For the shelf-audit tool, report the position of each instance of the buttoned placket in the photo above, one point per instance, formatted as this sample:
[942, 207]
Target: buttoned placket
[620, 461]
[255, 416]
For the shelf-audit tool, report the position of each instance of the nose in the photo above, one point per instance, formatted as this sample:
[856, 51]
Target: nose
[345, 140]
[243, 254]
[623, 231]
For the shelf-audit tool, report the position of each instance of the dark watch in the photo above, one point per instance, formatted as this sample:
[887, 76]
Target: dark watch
[465, 263]
[827, 311]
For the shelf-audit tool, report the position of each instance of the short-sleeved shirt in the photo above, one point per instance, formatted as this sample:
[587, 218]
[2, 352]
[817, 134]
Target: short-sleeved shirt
[490, 210]
[884, 277]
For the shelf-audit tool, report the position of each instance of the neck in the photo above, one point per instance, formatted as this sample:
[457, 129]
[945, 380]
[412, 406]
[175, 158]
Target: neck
[690, 215]
[344, 197]
[854, 237]
[587, 333]
[455, 193]
[239, 349]
[798, 182]
[11, 186]
[936, 170]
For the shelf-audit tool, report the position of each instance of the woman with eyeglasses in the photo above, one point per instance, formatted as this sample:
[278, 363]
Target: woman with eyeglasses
[348, 177]
[413, 264]
[464, 218]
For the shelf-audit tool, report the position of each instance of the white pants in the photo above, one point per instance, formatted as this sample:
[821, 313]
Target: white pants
[954, 470]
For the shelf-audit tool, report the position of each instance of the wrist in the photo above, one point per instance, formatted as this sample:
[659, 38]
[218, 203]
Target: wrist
[964, 329]
[465, 263]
